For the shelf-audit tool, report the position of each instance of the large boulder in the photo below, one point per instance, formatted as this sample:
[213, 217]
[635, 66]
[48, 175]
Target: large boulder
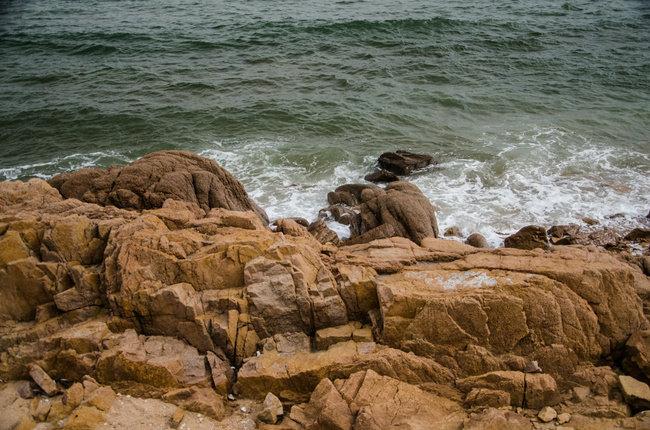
[510, 301]
[529, 237]
[398, 210]
[149, 181]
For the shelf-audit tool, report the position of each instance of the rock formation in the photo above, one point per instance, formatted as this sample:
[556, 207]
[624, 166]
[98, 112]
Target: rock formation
[168, 301]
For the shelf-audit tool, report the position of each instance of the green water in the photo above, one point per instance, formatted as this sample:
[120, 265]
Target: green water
[536, 111]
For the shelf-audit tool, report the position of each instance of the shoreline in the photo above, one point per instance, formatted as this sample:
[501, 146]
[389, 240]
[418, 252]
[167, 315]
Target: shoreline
[161, 279]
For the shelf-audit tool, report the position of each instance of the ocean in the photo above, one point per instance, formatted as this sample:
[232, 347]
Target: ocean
[536, 111]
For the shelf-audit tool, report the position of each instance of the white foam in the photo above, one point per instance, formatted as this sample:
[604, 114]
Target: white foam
[47, 169]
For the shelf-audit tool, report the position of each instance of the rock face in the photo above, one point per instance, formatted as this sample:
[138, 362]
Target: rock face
[403, 162]
[156, 177]
[192, 304]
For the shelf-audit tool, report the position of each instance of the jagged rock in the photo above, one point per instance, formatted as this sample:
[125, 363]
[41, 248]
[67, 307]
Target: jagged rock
[367, 401]
[535, 390]
[74, 395]
[85, 418]
[636, 393]
[497, 419]
[636, 360]
[294, 375]
[201, 400]
[152, 362]
[272, 409]
[476, 240]
[381, 175]
[529, 237]
[149, 181]
[403, 162]
[487, 397]
[547, 414]
[43, 380]
[290, 227]
[284, 298]
[563, 234]
[322, 232]
[358, 289]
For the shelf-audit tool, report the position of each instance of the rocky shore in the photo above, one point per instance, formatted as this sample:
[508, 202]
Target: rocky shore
[157, 295]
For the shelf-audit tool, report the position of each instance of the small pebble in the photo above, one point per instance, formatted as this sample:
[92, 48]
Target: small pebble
[231, 397]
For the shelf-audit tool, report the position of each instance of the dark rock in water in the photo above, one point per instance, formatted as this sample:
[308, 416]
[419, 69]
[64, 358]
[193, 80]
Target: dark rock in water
[322, 232]
[477, 240]
[606, 237]
[452, 231]
[149, 181]
[302, 221]
[399, 210]
[529, 237]
[343, 214]
[348, 194]
[590, 221]
[381, 176]
[403, 162]
[639, 235]
[648, 216]
[564, 234]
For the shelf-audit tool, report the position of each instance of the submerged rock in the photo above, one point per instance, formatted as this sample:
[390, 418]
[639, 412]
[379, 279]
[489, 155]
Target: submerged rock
[381, 176]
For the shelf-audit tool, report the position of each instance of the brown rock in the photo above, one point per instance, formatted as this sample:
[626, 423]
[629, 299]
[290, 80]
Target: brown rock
[322, 232]
[529, 237]
[326, 409]
[398, 210]
[453, 231]
[636, 360]
[85, 418]
[200, 400]
[102, 398]
[381, 175]
[156, 177]
[487, 397]
[636, 393]
[272, 409]
[497, 419]
[403, 162]
[74, 395]
[476, 240]
[43, 380]
[639, 235]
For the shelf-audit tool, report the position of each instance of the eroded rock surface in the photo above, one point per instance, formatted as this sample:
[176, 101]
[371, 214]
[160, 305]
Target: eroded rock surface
[161, 279]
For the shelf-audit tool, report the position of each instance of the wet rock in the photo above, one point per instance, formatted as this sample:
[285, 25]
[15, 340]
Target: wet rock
[381, 176]
[590, 221]
[43, 380]
[403, 162]
[529, 237]
[272, 409]
[564, 234]
[149, 181]
[398, 210]
[476, 240]
[638, 235]
[635, 392]
[322, 232]
[349, 194]
[452, 231]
